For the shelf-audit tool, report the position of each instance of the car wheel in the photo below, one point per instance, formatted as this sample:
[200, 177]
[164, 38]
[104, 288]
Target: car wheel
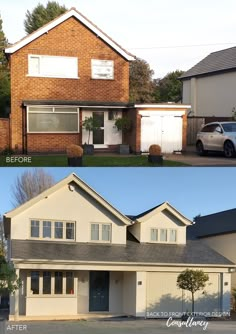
[229, 150]
[200, 148]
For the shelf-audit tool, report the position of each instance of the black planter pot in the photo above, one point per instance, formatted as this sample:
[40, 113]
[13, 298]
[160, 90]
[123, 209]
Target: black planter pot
[75, 162]
[124, 149]
[88, 149]
[158, 159]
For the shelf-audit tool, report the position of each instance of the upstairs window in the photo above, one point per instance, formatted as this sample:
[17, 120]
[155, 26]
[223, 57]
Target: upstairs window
[48, 229]
[101, 232]
[163, 235]
[102, 69]
[53, 66]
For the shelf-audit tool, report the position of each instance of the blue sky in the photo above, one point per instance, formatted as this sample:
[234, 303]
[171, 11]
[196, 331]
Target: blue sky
[134, 190]
[153, 29]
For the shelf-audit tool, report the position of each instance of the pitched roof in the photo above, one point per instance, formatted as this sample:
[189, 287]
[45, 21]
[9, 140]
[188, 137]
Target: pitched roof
[214, 224]
[80, 17]
[72, 178]
[161, 207]
[214, 63]
[194, 253]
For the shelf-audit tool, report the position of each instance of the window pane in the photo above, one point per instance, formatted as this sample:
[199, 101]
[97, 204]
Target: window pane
[34, 228]
[154, 234]
[69, 283]
[163, 235]
[58, 282]
[35, 282]
[46, 282]
[173, 234]
[55, 66]
[58, 230]
[46, 229]
[34, 63]
[52, 122]
[95, 232]
[106, 235]
[70, 231]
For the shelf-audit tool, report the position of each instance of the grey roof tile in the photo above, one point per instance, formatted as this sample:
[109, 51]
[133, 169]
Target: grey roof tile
[223, 60]
[194, 252]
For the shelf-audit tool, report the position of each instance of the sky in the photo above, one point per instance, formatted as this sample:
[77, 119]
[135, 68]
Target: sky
[191, 191]
[168, 34]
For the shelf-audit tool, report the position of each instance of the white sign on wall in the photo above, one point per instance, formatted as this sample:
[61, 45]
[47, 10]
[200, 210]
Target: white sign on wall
[102, 69]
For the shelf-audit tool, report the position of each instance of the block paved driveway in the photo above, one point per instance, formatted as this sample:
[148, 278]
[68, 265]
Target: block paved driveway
[112, 327]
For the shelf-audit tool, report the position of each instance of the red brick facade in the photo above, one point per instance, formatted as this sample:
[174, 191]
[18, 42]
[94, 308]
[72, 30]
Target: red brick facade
[4, 133]
[70, 38]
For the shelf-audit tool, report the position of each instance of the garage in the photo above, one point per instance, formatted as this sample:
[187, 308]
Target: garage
[162, 128]
[163, 296]
[162, 124]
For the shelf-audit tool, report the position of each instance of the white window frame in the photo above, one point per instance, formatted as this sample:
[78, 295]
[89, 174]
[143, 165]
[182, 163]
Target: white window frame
[159, 235]
[53, 230]
[59, 76]
[44, 295]
[100, 225]
[103, 64]
[53, 108]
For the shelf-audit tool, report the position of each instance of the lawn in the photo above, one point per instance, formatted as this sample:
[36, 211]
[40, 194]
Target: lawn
[88, 161]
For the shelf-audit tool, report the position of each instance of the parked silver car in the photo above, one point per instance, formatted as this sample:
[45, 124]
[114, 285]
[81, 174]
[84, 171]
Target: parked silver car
[217, 136]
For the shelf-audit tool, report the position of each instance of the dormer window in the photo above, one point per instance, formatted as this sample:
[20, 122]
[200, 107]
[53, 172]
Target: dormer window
[163, 235]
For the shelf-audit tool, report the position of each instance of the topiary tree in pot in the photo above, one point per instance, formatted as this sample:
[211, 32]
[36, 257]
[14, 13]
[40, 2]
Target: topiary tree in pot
[155, 155]
[89, 124]
[74, 155]
[124, 124]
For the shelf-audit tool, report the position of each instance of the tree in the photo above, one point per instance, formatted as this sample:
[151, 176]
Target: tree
[9, 281]
[192, 280]
[4, 76]
[41, 15]
[90, 124]
[141, 83]
[169, 89]
[29, 184]
[2, 239]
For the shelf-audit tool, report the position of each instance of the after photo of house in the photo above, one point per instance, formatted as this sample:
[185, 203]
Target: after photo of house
[86, 248]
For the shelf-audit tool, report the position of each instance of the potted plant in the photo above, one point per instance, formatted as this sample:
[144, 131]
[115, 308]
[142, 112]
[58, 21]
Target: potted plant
[155, 155]
[123, 124]
[89, 124]
[74, 155]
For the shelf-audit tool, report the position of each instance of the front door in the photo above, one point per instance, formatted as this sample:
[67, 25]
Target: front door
[98, 291]
[98, 134]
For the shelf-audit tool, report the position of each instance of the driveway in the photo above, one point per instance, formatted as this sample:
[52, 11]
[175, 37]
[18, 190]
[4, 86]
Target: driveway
[192, 158]
[119, 326]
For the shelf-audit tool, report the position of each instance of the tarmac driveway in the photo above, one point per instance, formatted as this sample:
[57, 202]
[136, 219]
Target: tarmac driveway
[190, 157]
[119, 326]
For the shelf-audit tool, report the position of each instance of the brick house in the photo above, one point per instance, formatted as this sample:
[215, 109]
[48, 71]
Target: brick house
[69, 70]
[60, 74]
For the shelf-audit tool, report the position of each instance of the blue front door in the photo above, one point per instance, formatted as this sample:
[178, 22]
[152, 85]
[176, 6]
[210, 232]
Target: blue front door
[98, 291]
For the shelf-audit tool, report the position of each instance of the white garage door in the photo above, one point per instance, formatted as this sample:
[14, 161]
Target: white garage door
[163, 296]
[164, 130]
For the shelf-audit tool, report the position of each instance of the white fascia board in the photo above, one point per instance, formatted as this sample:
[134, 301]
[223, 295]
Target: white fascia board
[61, 19]
[161, 106]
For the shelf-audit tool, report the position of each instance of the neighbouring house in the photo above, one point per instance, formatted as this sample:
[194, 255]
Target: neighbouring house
[209, 86]
[218, 231]
[69, 70]
[76, 255]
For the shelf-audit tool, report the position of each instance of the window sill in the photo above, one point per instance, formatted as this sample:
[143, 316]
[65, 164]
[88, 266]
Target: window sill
[50, 77]
[51, 296]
